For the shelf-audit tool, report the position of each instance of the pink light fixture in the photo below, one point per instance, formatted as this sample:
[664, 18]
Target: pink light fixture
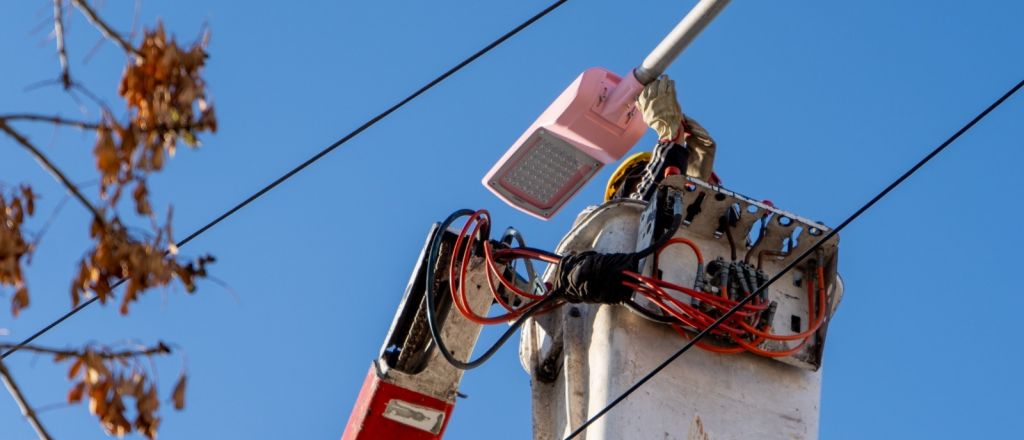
[593, 123]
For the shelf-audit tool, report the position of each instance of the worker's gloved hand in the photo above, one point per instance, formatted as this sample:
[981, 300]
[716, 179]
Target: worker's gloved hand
[660, 108]
[701, 160]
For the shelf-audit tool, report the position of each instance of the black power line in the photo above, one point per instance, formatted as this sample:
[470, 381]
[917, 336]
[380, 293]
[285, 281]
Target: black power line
[315, 158]
[793, 263]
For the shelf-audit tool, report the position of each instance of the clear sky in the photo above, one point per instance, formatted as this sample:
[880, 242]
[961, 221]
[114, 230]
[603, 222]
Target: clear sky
[815, 105]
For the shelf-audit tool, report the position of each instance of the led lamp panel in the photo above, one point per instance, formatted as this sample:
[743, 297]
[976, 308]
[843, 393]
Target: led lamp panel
[543, 175]
[592, 123]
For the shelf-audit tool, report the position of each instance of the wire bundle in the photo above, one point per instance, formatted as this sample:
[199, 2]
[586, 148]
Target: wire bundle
[473, 233]
[745, 330]
[473, 236]
[742, 328]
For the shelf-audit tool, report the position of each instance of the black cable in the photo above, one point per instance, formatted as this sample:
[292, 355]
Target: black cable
[435, 332]
[319, 155]
[431, 302]
[648, 314]
[377, 118]
[728, 234]
[677, 220]
[793, 264]
[55, 323]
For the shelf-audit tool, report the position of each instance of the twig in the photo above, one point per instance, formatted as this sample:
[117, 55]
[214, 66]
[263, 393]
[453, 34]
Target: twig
[26, 410]
[53, 119]
[160, 348]
[95, 47]
[104, 29]
[40, 84]
[135, 21]
[81, 105]
[53, 406]
[221, 283]
[55, 172]
[42, 25]
[89, 94]
[38, 236]
[58, 33]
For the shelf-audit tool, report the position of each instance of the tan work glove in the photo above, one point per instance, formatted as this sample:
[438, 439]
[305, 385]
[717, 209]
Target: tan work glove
[660, 108]
[701, 160]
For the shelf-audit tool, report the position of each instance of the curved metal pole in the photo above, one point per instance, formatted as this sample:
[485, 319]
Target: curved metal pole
[677, 40]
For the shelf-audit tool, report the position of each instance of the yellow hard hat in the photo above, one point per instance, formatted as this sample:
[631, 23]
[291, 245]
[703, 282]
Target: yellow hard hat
[631, 168]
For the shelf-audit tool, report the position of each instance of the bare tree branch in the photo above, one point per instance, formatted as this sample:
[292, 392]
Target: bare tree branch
[26, 409]
[160, 348]
[57, 174]
[104, 29]
[58, 33]
[38, 236]
[53, 119]
[89, 94]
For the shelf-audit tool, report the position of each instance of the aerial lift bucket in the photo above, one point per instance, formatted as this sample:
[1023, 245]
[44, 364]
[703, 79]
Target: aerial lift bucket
[594, 122]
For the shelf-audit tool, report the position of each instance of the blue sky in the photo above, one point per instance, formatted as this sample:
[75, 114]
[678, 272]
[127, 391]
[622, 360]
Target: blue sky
[815, 106]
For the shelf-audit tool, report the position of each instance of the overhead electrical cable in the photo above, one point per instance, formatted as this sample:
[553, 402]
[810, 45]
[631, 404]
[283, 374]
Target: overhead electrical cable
[315, 158]
[794, 262]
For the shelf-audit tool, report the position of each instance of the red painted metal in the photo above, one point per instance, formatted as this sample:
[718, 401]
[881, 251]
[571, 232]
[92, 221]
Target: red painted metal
[367, 421]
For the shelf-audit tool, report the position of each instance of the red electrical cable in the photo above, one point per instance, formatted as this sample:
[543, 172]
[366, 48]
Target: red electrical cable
[651, 288]
[712, 348]
[751, 348]
[737, 330]
[478, 227]
[723, 304]
[492, 267]
[700, 258]
[478, 220]
[819, 318]
[683, 312]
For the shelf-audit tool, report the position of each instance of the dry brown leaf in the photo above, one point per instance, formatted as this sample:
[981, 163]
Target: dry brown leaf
[19, 301]
[98, 400]
[110, 380]
[141, 196]
[179, 394]
[14, 248]
[107, 161]
[75, 367]
[75, 395]
[31, 204]
[95, 370]
[167, 102]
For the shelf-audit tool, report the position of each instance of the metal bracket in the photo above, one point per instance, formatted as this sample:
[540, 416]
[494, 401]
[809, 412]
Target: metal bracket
[784, 236]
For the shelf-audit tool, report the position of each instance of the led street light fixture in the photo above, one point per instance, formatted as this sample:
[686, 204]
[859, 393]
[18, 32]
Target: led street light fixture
[594, 122]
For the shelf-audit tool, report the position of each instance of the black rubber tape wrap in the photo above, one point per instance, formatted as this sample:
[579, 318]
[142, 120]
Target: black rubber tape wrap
[592, 277]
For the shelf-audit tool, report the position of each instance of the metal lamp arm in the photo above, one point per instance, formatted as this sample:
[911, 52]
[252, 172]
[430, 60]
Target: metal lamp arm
[684, 33]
